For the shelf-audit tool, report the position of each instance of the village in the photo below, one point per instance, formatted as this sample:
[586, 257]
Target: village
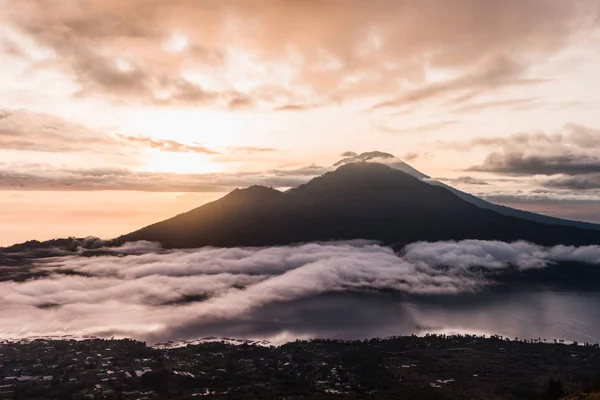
[429, 367]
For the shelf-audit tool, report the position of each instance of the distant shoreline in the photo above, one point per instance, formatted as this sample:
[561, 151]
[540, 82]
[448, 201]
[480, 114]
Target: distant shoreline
[173, 344]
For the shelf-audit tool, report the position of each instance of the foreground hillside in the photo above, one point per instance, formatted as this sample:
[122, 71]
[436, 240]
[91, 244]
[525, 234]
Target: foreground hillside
[431, 367]
[358, 200]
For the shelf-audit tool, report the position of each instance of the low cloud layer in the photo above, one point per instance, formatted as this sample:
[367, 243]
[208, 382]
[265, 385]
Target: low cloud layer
[143, 291]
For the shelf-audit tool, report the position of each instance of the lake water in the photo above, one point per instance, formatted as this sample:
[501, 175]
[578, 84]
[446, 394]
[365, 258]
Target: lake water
[538, 314]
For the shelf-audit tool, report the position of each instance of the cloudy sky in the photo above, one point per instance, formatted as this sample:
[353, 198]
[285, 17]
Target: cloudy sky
[115, 114]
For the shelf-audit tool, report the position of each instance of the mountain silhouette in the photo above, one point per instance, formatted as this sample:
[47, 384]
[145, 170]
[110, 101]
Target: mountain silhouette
[363, 200]
[396, 163]
[513, 212]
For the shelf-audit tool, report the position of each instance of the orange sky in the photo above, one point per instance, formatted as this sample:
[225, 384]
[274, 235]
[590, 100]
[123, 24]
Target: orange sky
[115, 114]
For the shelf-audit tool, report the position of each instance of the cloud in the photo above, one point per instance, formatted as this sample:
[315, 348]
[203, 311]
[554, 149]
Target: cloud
[586, 182]
[478, 253]
[295, 107]
[578, 205]
[349, 154]
[125, 51]
[143, 291]
[23, 130]
[541, 196]
[570, 137]
[534, 164]
[251, 149]
[50, 178]
[493, 73]
[71, 146]
[434, 126]
[487, 105]
[28, 131]
[571, 151]
[411, 156]
[167, 145]
[465, 180]
[129, 81]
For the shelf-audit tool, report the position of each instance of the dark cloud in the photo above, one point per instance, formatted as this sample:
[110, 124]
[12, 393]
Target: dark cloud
[93, 70]
[132, 82]
[538, 164]
[573, 150]
[120, 49]
[465, 180]
[544, 196]
[585, 182]
[349, 154]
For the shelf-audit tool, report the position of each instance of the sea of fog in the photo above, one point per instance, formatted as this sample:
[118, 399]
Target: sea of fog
[347, 290]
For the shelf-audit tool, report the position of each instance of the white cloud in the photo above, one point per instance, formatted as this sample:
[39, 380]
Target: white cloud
[144, 291]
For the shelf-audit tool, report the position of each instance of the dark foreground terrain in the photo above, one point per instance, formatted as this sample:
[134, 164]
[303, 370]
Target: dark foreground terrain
[431, 367]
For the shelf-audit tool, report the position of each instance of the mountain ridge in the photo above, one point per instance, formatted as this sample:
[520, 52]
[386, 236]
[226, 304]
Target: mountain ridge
[392, 161]
[260, 205]
[362, 200]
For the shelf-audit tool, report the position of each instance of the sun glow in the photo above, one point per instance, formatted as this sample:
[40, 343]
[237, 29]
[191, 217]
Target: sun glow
[182, 163]
[211, 128]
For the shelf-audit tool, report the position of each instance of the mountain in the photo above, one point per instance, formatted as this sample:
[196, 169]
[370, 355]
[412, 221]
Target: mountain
[513, 212]
[396, 163]
[358, 200]
[382, 158]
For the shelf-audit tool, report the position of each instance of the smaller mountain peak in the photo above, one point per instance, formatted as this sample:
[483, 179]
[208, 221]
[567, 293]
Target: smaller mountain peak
[255, 191]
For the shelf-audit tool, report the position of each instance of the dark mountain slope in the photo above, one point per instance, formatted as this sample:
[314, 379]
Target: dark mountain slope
[396, 163]
[358, 200]
[513, 212]
[233, 219]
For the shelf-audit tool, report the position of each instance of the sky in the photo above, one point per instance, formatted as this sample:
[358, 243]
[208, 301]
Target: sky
[116, 114]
